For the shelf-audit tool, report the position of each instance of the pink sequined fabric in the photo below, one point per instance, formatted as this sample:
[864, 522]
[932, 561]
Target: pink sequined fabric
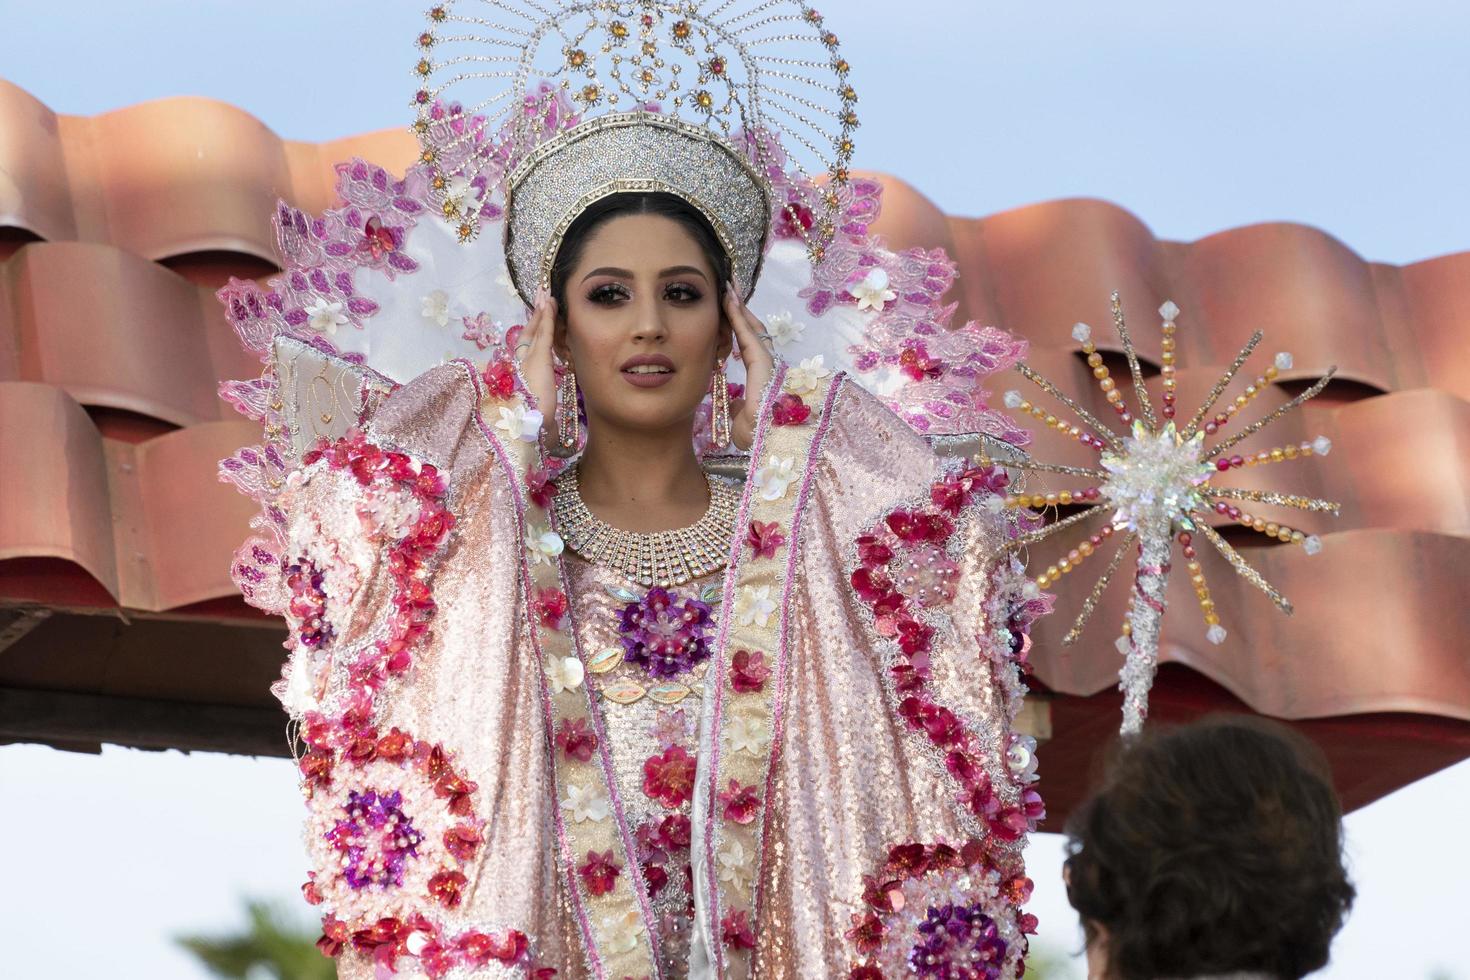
[853, 788]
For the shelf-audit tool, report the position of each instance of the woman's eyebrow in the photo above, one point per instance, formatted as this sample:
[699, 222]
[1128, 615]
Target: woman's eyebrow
[608, 270]
[673, 270]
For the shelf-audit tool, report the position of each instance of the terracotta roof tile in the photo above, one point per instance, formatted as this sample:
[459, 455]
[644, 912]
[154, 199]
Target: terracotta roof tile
[142, 211]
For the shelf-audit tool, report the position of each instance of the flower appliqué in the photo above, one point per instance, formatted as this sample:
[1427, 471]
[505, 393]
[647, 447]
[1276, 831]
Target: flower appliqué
[665, 633]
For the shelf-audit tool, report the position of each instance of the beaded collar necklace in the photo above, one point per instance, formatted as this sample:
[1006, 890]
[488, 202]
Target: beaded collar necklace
[663, 558]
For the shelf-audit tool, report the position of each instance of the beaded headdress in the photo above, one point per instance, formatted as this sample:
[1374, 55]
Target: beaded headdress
[728, 108]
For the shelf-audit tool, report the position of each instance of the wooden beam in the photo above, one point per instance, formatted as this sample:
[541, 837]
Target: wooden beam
[60, 716]
[16, 623]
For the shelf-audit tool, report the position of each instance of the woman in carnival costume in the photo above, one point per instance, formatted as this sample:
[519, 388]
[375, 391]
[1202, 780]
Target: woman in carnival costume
[601, 663]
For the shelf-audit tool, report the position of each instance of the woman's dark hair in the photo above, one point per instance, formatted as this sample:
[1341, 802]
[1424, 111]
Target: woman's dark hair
[664, 205]
[1211, 848]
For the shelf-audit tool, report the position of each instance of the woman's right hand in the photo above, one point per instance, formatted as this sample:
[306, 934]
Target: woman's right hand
[533, 356]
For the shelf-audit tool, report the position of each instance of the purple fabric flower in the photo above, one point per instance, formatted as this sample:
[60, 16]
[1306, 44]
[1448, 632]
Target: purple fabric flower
[308, 603]
[958, 941]
[376, 837]
[665, 633]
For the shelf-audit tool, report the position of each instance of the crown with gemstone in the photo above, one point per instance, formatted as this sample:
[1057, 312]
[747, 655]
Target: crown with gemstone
[742, 109]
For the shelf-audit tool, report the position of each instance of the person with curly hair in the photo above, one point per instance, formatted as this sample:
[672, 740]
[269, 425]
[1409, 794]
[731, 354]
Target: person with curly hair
[1212, 850]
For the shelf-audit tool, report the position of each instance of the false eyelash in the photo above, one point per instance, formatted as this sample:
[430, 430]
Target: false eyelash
[609, 290]
[606, 292]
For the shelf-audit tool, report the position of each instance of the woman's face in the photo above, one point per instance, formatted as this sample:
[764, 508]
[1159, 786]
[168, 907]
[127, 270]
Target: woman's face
[642, 326]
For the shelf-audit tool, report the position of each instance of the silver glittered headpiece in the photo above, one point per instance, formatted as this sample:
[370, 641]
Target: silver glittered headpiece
[718, 106]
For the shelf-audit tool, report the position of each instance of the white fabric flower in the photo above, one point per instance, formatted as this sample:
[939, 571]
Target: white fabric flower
[519, 422]
[585, 803]
[565, 674]
[543, 544]
[754, 605]
[623, 932]
[326, 315]
[784, 329]
[775, 477]
[872, 292]
[436, 307]
[734, 865]
[804, 378]
[747, 735]
[1021, 758]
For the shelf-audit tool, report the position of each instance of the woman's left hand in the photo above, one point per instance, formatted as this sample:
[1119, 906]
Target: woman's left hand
[751, 349]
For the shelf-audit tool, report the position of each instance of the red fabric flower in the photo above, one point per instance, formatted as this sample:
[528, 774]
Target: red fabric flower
[883, 895]
[952, 493]
[599, 872]
[447, 888]
[654, 877]
[873, 551]
[949, 496]
[866, 933]
[764, 538]
[1033, 807]
[669, 777]
[539, 486]
[308, 890]
[1018, 890]
[871, 585]
[735, 930]
[500, 378]
[981, 799]
[789, 409]
[462, 840]
[913, 636]
[908, 678]
[908, 860]
[577, 739]
[674, 831]
[316, 766]
[478, 948]
[510, 947]
[456, 789]
[865, 972]
[334, 936]
[552, 609]
[748, 671]
[917, 364]
[395, 746]
[962, 767]
[1009, 824]
[362, 750]
[384, 932]
[740, 803]
[941, 725]
[919, 528]
[942, 856]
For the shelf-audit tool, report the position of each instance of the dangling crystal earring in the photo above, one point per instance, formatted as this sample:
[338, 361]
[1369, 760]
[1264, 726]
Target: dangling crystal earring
[568, 426]
[720, 407]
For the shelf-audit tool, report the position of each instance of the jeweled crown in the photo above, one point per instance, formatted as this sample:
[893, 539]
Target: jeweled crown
[727, 107]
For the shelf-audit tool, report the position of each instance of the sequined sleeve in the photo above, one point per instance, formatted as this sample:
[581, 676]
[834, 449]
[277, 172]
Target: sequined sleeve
[402, 566]
[901, 795]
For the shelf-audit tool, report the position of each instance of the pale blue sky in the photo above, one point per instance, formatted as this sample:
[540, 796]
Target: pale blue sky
[1347, 115]
[1344, 114]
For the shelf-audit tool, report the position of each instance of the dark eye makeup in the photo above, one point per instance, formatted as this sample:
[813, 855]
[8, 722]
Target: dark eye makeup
[609, 293]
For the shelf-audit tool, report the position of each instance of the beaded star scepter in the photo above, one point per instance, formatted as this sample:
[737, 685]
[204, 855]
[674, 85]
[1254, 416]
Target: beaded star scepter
[1155, 482]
